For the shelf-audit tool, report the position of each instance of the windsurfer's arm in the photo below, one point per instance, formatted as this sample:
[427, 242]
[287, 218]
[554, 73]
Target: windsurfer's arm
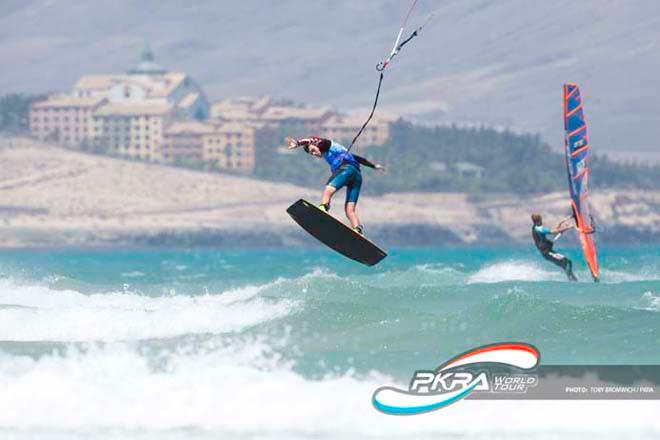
[570, 217]
[560, 229]
[367, 163]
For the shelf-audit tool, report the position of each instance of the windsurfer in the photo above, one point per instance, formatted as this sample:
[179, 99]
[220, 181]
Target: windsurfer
[545, 245]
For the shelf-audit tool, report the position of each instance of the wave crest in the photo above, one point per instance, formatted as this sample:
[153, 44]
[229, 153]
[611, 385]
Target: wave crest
[38, 313]
[513, 270]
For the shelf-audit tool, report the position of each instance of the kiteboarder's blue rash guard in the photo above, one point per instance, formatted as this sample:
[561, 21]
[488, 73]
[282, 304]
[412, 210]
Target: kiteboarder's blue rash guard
[337, 155]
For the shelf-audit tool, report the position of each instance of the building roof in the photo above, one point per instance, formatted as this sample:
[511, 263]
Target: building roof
[352, 121]
[189, 127]
[233, 127]
[134, 109]
[261, 104]
[162, 86]
[235, 115]
[97, 82]
[156, 85]
[232, 109]
[279, 113]
[68, 101]
[188, 100]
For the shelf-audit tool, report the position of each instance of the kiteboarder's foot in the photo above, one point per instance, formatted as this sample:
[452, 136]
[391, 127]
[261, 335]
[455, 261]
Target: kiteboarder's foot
[571, 276]
[359, 229]
[325, 207]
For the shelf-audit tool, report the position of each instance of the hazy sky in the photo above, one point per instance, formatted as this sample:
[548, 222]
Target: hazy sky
[501, 63]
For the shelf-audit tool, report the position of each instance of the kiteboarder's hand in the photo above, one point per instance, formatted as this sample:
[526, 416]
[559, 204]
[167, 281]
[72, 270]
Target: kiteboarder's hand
[291, 143]
[379, 167]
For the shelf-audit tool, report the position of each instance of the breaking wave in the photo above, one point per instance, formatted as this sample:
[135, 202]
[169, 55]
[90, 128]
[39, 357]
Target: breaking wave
[39, 313]
[513, 271]
[242, 389]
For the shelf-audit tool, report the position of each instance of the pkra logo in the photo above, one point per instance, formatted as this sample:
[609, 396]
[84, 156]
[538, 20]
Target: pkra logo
[496, 368]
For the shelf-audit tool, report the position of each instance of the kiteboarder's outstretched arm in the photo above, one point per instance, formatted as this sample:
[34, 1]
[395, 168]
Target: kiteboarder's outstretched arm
[367, 163]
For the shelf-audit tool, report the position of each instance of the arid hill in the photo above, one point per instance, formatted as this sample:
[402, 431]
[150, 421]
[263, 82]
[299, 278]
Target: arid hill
[53, 197]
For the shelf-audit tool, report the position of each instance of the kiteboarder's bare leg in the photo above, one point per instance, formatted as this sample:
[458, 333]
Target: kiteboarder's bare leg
[326, 197]
[352, 216]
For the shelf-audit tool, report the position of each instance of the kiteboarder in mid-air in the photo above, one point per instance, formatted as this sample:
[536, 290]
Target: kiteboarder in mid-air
[544, 244]
[345, 168]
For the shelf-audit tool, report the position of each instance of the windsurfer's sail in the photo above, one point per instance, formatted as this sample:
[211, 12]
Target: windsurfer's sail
[577, 153]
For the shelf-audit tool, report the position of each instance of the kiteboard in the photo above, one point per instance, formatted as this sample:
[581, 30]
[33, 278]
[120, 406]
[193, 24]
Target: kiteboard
[334, 234]
[577, 152]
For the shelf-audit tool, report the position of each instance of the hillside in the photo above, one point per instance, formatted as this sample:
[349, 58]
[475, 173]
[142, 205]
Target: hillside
[471, 160]
[498, 63]
[55, 197]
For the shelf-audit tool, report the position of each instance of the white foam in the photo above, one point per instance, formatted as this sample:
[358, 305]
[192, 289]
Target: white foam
[615, 277]
[38, 313]
[320, 272]
[651, 301]
[438, 269]
[514, 270]
[245, 390]
[132, 274]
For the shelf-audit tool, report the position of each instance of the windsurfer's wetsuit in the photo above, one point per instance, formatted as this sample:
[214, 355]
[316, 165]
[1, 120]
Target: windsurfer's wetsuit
[545, 244]
[344, 165]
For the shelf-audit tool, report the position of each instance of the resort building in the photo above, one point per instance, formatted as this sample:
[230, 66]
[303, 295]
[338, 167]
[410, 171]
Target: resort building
[121, 114]
[242, 109]
[154, 115]
[344, 128]
[227, 146]
[134, 131]
[65, 119]
[147, 81]
[293, 120]
[183, 141]
[231, 146]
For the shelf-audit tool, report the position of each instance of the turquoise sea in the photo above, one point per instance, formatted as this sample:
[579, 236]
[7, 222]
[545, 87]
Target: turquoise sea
[291, 343]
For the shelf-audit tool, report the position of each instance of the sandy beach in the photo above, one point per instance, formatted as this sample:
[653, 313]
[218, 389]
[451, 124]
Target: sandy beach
[50, 196]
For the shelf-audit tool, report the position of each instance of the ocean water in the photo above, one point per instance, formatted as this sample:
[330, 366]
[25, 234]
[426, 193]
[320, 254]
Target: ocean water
[270, 344]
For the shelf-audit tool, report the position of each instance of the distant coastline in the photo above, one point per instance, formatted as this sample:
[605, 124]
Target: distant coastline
[52, 197]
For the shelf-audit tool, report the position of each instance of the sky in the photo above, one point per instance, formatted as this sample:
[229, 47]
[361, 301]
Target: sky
[497, 63]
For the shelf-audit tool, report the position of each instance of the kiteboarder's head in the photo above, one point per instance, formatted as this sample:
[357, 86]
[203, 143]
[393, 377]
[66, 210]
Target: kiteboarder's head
[313, 150]
[314, 145]
[537, 219]
[318, 147]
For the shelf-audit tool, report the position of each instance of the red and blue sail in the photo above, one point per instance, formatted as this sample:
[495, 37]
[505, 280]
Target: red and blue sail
[577, 154]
